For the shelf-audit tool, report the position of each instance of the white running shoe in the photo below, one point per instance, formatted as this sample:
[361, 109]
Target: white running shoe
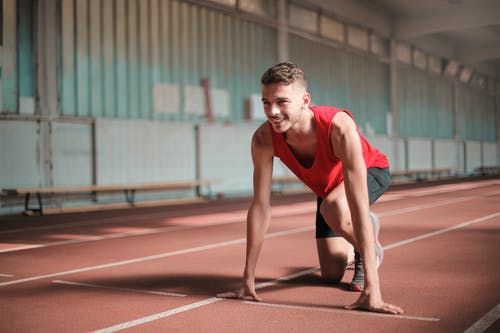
[379, 250]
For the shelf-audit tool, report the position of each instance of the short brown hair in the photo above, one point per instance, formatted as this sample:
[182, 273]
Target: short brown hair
[285, 73]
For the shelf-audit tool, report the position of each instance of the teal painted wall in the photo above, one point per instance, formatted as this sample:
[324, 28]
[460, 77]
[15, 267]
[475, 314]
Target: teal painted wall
[477, 115]
[110, 66]
[346, 80]
[425, 104]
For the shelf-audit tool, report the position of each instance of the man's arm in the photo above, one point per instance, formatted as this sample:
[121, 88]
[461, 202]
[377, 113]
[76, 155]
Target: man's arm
[259, 213]
[346, 144]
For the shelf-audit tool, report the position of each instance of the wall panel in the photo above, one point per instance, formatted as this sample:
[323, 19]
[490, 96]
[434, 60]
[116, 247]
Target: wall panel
[419, 152]
[477, 115]
[490, 153]
[72, 154]
[20, 162]
[446, 154]
[472, 156]
[350, 81]
[82, 55]
[137, 151]
[425, 105]
[114, 52]
[233, 164]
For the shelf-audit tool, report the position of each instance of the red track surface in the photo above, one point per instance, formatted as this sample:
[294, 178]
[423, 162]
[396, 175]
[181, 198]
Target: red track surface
[158, 270]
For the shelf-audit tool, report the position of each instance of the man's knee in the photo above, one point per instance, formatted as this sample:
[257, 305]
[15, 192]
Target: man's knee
[333, 256]
[333, 272]
[336, 214]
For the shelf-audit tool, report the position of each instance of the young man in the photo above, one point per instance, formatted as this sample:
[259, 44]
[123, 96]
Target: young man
[323, 147]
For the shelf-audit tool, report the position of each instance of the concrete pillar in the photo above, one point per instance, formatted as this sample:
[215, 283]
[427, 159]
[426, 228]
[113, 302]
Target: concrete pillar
[283, 54]
[398, 161]
[46, 91]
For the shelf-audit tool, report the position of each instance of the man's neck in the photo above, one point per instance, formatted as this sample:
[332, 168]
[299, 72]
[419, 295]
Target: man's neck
[303, 129]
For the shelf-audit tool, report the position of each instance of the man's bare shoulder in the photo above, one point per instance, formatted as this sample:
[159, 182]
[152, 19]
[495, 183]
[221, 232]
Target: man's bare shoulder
[262, 137]
[342, 122]
[342, 125]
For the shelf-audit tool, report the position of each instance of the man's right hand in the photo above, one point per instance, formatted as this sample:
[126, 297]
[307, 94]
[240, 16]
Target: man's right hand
[247, 292]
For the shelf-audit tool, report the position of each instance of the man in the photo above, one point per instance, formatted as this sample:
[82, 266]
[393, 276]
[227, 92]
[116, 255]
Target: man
[323, 147]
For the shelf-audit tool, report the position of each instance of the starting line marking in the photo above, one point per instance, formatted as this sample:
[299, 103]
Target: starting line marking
[70, 283]
[208, 301]
[486, 321]
[343, 311]
[195, 305]
[157, 316]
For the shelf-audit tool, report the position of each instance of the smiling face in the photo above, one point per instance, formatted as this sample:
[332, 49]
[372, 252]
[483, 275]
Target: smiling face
[284, 104]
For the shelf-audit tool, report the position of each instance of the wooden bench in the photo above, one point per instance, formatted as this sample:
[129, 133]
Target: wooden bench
[488, 170]
[422, 174]
[129, 191]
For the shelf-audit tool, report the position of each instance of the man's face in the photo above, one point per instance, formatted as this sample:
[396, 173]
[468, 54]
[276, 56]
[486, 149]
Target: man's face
[283, 104]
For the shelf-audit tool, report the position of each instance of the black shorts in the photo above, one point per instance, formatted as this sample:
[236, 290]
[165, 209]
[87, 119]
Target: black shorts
[378, 182]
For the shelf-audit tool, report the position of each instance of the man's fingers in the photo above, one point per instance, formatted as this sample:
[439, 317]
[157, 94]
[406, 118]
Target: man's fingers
[393, 308]
[229, 294]
[240, 295]
[353, 306]
[256, 298]
[386, 308]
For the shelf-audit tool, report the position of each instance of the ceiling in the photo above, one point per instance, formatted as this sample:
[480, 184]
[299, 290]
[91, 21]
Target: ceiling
[467, 31]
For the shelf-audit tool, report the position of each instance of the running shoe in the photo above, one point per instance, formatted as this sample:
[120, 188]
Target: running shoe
[358, 279]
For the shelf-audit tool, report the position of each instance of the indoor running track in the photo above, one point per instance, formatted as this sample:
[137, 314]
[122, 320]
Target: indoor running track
[158, 270]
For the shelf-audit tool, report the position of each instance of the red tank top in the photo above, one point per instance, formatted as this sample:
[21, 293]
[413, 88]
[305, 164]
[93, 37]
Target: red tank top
[326, 171]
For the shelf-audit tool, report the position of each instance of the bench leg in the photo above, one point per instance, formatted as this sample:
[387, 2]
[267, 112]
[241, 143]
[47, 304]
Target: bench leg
[130, 197]
[27, 204]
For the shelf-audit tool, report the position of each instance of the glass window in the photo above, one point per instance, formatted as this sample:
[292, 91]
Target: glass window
[331, 28]
[303, 18]
[265, 8]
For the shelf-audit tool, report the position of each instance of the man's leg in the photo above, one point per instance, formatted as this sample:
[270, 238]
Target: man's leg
[339, 217]
[334, 252]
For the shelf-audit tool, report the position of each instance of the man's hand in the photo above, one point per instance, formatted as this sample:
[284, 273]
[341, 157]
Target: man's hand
[374, 304]
[247, 292]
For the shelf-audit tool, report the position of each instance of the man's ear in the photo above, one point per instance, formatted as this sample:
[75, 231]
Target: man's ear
[306, 99]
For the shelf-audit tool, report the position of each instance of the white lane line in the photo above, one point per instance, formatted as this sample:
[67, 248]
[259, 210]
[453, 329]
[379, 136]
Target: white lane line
[282, 211]
[485, 322]
[285, 278]
[215, 220]
[441, 231]
[140, 291]
[6, 275]
[342, 311]
[156, 256]
[279, 211]
[191, 306]
[157, 316]
[227, 243]
[97, 238]
[415, 208]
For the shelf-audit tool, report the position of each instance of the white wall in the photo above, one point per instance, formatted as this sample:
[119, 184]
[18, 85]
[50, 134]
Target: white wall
[20, 156]
[419, 153]
[72, 154]
[225, 153]
[136, 151]
[446, 154]
[489, 153]
[472, 156]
